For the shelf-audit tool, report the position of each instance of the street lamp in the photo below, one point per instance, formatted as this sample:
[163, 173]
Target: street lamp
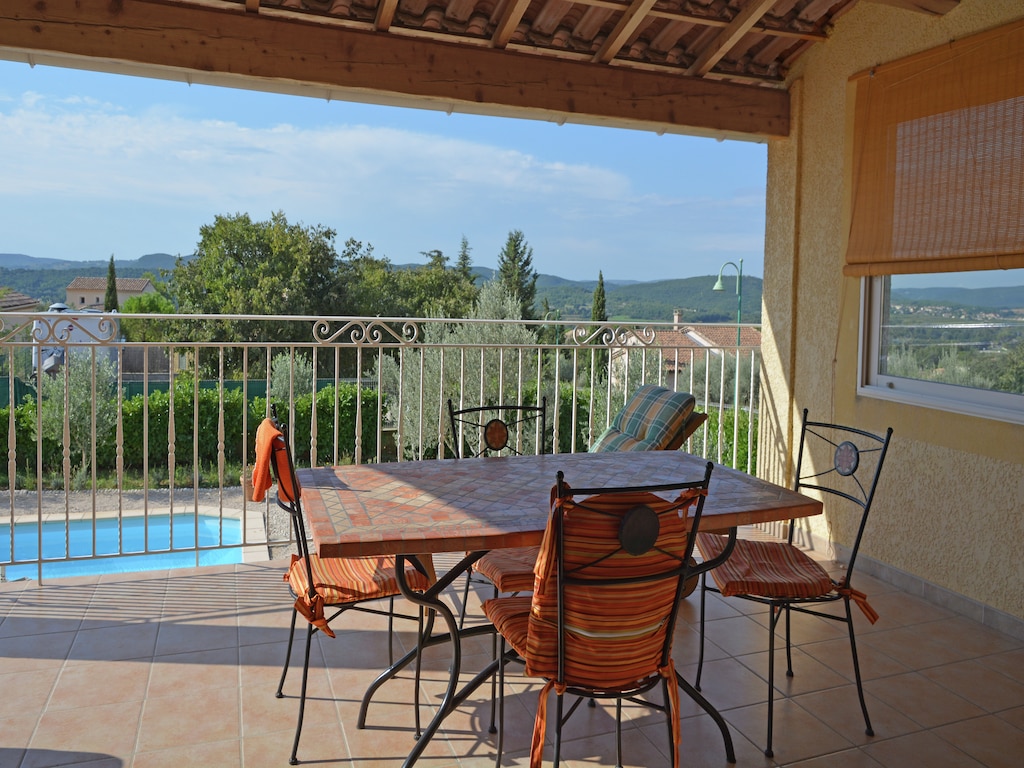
[739, 318]
[739, 293]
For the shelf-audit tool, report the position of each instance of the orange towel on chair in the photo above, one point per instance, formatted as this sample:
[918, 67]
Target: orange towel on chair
[270, 447]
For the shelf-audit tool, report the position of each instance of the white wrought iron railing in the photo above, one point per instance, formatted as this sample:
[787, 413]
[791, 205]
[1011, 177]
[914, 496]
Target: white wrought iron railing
[120, 448]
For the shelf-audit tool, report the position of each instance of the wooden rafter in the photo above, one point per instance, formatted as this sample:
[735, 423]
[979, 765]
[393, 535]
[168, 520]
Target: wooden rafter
[633, 16]
[385, 14]
[299, 54]
[510, 18]
[728, 37]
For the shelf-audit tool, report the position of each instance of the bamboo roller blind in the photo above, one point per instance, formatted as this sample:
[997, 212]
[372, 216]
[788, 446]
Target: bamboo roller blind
[938, 160]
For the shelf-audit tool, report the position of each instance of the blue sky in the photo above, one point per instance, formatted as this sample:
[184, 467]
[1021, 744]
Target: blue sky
[96, 164]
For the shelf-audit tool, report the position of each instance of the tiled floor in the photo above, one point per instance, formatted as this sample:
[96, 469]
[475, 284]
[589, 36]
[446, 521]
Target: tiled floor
[179, 668]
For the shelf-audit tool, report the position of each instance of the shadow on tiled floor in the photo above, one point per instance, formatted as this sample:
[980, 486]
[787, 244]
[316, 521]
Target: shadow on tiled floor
[179, 669]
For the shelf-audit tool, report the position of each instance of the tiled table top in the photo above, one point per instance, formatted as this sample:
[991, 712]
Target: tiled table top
[493, 503]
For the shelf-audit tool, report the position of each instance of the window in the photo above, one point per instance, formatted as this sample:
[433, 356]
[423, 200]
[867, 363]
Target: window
[930, 340]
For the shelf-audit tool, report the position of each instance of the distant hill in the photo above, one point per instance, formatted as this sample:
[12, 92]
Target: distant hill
[151, 262]
[999, 297]
[656, 301]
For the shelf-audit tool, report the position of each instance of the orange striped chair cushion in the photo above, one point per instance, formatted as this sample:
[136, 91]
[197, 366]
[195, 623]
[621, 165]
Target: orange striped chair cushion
[765, 568]
[511, 570]
[614, 634]
[511, 617]
[342, 580]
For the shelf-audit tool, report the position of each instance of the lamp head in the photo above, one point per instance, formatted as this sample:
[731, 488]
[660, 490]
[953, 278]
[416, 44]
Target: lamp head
[718, 284]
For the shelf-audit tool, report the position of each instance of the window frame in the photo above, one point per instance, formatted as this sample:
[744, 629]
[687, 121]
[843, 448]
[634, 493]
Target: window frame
[1000, 406]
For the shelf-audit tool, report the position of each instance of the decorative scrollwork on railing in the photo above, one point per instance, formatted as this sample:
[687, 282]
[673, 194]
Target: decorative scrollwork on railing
[63, 328]
[13, 326]
[366, 332]
[613, 336]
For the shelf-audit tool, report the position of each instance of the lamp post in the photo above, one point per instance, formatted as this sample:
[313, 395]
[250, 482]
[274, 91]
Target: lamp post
[739, 318]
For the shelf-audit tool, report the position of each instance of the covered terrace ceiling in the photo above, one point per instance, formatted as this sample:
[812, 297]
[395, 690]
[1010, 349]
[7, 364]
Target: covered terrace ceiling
[705, 67]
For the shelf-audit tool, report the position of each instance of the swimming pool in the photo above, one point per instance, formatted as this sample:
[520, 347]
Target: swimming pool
[133, 532]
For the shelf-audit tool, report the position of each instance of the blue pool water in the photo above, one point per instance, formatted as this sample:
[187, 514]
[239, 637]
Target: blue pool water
[133, 531]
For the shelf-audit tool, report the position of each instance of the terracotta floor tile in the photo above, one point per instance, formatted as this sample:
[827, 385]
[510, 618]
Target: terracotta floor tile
[850, 758]
[115, 642]
[990, 740]
[189, 718]
[922, 700]
[107, 730]
[923, 748]
[27, 691]
[91, 683]
[797, 735]
[989, 689]
[225, 753]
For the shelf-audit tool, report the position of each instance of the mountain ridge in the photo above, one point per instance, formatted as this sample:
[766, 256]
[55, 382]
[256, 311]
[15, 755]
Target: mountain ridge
[653, 301]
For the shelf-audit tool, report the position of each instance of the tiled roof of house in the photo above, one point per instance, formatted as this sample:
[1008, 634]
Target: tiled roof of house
[12, 301]
[126, 284]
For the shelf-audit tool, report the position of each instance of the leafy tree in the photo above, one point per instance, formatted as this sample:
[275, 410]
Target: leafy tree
[290, 376]
[516, 273]
[1012, 377]
[267, 267]
[147, 330]
[421, 386]
[83, 382]
[110, 297]
[439, 291]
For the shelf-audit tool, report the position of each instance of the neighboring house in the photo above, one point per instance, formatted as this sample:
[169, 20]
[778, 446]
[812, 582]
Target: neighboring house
[88, 292]
[683, 345]
[12, 301]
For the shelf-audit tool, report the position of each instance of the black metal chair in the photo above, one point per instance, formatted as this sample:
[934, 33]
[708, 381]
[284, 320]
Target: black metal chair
[834, 460]
[600, 623]
[495, 430]
[321, 584]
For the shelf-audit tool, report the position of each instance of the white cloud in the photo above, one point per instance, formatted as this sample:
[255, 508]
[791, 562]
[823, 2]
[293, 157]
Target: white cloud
[140, 181]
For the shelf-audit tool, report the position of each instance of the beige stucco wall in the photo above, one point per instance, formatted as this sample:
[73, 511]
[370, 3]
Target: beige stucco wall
[950, 508]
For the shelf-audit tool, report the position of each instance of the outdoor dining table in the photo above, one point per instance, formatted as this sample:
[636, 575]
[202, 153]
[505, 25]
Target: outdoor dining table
[480, 504]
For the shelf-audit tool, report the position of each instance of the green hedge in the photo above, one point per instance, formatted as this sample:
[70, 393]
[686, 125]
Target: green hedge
[199, 412]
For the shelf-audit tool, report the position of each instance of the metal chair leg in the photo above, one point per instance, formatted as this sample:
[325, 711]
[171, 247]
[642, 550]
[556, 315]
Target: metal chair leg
[856, 672]
[294, 760]
[618, 733]
[287, 657]
[772, 624]
[700, 652]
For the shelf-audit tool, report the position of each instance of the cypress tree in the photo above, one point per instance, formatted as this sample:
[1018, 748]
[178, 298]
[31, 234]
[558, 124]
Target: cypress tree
[110, 297]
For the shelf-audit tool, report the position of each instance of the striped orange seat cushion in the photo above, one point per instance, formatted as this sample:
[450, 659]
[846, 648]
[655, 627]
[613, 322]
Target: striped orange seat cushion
[511, 570]
[511, 617]
[765, 568]
[341, 580]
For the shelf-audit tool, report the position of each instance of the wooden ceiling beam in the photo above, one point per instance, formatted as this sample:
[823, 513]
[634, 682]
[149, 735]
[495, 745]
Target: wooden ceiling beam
[260, 51]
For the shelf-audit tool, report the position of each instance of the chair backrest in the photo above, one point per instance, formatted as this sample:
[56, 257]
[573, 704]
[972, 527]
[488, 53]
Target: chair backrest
[608, 583]
[655, 418]
[841, 461]
[495, 429]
